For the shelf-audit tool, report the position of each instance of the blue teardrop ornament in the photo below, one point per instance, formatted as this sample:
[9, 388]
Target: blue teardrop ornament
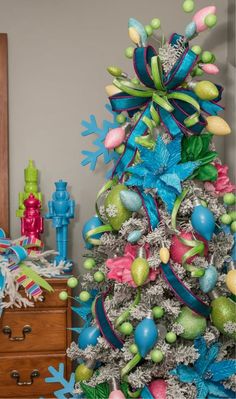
[88, 336]
[203, 221]
[145, 336]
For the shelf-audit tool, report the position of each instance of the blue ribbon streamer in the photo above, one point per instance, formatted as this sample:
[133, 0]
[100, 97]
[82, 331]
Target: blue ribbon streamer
[150, 206]
[183, 293]
[105, 326]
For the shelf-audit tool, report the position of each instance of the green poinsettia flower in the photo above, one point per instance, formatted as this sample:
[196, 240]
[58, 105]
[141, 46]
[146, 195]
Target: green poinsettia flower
[196, 148]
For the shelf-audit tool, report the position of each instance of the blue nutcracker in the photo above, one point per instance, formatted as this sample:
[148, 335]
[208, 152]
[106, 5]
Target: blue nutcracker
[61, 210]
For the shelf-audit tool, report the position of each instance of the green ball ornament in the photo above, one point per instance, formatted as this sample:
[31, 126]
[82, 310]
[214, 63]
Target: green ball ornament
[206, 57]
[232, 214]
[194, 325]
[229, 199]
[188, 5]
[196, 49]
[133, 349]
[121, 118]
[120, 149]
[126, 328]
[210, 20]
[89, 263]
[83, 373]
[226, 219]
[116, 213]
[170, 337]
[157, 355]
[99, 277]
[157, 312]
[198, 71]
[84, 296]
[155, 23]
[72, 282]
[148, 30]
[223, 311]
[233, 227]
[129, 51]
[63, 295]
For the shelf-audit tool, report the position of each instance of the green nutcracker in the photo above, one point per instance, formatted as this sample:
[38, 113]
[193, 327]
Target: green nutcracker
[31, 187]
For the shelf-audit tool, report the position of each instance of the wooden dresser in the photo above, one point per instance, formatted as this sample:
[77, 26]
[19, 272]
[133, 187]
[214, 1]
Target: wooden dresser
[32, 339]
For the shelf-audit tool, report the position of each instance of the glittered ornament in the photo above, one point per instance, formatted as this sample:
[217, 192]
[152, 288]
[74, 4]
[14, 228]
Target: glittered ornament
[223, 312]
[203, 221]
[206, 90]
[88, 336]
[140, 268]
[134, 236]
[208, 281]
[131, 200]
[84, 371]
[114, 138]
[158, 389]
[211, 69]
[116, 213]
[199, 17]
[179, 249]
[194, 325]
[146, 335]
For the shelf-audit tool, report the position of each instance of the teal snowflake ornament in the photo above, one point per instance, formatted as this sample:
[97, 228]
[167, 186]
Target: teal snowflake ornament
[207, 374]
[58, 377]
[160, 169]
[91, 127]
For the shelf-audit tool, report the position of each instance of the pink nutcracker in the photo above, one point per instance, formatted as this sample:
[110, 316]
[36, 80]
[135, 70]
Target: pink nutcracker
[32, 221]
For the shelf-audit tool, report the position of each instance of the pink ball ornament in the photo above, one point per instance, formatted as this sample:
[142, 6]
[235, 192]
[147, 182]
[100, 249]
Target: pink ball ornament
[212, 69]
[178, 249]
[114, 138]
[158, 389]
[199, 17]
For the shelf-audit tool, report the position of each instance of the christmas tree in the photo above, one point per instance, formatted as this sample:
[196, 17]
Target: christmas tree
[158, 301]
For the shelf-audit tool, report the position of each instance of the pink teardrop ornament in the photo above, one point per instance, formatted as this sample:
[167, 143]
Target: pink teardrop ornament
[114, 138]
[200, 16]
[158, 389]
[212, 69]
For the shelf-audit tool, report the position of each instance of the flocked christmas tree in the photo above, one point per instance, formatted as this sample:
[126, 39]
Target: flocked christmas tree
[158, 302]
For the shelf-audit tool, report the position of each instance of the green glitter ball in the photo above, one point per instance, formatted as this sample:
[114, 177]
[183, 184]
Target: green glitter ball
[133, 349]
[129, 51]
[226, 219]
[126, 328]
[99, 277]
[155, 23]
[89, 263]
[148, 30]
[210, 20]
[120, 119]
[232, 214]
[229, 199]
[171, 337]
[233, 227]
[188, 5]
[157, 355]
[157, 312]
[206, 57]
[72, 282]
[196, 49]
[84, 296]
[63, 295]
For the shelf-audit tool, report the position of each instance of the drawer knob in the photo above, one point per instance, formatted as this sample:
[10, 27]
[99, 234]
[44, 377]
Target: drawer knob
[16, 375]
[8, 331]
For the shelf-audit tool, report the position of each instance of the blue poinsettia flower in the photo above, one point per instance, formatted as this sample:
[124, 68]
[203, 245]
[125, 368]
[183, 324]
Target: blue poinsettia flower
[84, 311]
[206, 373]
[161, 169]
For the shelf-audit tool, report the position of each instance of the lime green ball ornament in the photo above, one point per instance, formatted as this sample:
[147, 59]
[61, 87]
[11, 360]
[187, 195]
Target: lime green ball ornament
[72, 282]
[149, 30]
[99, 277]
[121, 118]
[84, 296]
[206, 57]
[223, 311]
[210, 20]
[120, 149]
[133, 349]
[233, 227]
[157, 355]
[188, 5]
[155, 23]
[194, 325]
[116, 213]
[226, 219]
[198, 71]
[229, 199]
[196, 49]
[83, 373]
[89, 263]
[170, 337]
[126, 328]
[63, 295]
[129, 51]
[157, 312]
[232, 214]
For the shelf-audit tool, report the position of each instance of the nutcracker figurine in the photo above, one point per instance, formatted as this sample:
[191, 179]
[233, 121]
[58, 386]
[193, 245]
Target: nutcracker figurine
[61, 210]
[30, 187]
[32, 221]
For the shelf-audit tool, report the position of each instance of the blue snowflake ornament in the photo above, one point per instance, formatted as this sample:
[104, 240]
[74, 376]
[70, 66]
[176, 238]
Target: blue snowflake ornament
[58, 377]
[91, 127]
[207, 374]
[160, 169]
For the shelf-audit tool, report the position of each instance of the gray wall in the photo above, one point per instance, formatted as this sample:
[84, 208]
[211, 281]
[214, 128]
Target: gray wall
[58, 54]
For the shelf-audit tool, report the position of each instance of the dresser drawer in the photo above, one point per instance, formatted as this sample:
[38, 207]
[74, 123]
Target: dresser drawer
[34, 330]
[25, 365]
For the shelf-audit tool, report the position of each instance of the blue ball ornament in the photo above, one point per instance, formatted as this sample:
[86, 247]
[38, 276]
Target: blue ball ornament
[203, 222]
[145, 336]
[208, 281]
[190, 30]
[91, 224]
[131, 200]
[88, 336]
